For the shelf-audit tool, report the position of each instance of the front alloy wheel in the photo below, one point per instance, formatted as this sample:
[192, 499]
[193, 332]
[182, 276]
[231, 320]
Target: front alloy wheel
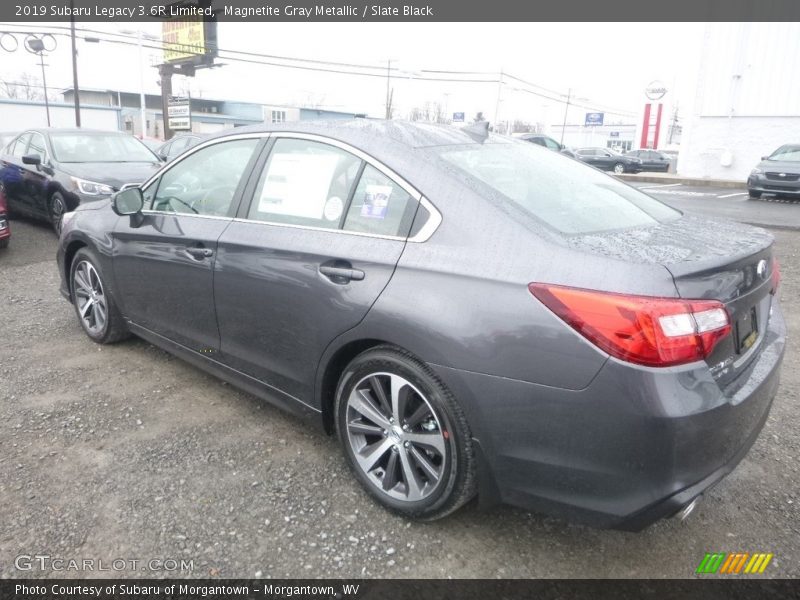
[404, 434]
[94, 305]
[58, 206]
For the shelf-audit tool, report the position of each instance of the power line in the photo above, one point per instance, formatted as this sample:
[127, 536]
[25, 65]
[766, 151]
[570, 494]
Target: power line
[347, 68]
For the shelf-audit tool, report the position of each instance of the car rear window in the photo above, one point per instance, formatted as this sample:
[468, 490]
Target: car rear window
[565, 194]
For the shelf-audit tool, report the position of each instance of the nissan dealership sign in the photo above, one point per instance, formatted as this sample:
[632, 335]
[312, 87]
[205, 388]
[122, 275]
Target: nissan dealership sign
[655, 90]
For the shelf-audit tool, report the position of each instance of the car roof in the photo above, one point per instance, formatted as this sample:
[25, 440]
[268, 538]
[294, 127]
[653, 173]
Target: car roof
[48, 130]
[372, 135]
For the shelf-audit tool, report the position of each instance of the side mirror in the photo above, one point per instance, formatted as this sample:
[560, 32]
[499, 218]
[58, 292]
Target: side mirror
[128, 202]
[163, 157]
[32, 159]
[762, 158]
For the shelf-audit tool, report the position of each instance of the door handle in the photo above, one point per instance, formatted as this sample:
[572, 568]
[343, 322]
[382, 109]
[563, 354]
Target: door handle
[341, 274]
[199, 253]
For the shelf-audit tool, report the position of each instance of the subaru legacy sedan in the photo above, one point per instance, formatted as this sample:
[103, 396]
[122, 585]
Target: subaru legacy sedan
[470, 314]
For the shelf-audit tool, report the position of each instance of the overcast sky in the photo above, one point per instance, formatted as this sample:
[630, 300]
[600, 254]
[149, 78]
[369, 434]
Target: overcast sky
[607, 65]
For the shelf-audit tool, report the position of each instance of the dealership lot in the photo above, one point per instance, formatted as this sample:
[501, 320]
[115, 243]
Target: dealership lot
[123, 452]
[731, 203]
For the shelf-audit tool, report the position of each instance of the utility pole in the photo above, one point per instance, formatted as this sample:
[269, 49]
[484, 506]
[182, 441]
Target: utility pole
[497, 103]
[166, 71]
[74, 65]
[388, 91]
[36, 46]
[566, 110]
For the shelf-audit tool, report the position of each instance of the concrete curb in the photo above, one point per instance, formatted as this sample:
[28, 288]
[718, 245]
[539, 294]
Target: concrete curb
[671, 178]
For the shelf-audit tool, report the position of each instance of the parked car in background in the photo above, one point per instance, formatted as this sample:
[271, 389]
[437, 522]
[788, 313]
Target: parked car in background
[470, 313]
[608, 160]
[778, 173]
[652, 160]
[546, 141]
[47, 172]
[170, 149]
[5, 227]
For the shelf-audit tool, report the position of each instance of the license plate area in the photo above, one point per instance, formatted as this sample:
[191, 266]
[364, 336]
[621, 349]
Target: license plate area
[746, 331]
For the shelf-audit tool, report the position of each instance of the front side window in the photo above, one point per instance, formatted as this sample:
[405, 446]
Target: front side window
[37, 146]
[21, 145]
[305, 183]
[552, 144]
[205, 182]
[567, 195]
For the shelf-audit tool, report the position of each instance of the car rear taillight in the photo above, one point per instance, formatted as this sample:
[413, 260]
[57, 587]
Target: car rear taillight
[656, 332]
[775, 278]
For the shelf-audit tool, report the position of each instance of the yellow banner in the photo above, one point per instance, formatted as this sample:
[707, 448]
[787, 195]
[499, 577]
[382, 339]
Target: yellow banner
[183, 40]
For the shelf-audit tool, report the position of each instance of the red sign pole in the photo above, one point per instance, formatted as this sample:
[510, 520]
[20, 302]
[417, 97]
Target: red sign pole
[658, 125]
[645, 126]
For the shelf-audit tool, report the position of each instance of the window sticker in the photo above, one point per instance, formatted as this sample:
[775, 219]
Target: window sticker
[297, 185]
[376, 201]
[333, 208]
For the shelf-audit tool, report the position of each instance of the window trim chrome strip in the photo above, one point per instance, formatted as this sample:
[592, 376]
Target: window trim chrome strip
[427, 230]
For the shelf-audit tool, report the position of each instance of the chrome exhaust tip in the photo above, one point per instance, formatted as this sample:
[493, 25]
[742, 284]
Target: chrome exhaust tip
[684, 513]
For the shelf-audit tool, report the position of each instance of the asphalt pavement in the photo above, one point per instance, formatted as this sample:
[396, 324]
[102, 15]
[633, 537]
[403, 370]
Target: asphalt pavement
[734, 204]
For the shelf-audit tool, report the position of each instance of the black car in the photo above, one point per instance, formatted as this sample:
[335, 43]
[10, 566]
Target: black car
[778, 173]
[547, 142]
[472, 314]
[172, 148]
[652, 160]
[47, 172]
[608, 160]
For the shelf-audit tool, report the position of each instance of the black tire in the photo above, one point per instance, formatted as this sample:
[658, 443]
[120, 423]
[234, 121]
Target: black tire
[753, 195]
[4, 243]
[114, 328]
[56, 208]
[456, 484]
[619, 168]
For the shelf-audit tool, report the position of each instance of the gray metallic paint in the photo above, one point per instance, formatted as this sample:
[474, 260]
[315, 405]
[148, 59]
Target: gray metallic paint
[559, 426]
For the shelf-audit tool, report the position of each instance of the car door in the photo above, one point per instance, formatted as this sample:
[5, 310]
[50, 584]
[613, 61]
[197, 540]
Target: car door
[13, 174]
[37, 177]
[164, 261]
[309, 256]
[605, 159]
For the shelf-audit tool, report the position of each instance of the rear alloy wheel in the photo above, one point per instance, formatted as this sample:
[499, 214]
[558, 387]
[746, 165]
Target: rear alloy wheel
[404, 435]
[58, 206]
[96, 310]
[619, 168]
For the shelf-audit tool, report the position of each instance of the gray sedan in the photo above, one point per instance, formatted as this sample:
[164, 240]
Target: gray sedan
[470, 314]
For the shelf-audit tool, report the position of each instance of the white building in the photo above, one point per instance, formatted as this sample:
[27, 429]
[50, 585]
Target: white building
[747, 101]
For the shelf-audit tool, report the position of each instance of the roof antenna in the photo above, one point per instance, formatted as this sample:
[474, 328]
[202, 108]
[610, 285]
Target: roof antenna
[478, 131]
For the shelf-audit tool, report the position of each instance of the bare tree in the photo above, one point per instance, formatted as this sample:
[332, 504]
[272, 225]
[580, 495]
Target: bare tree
[24, 87]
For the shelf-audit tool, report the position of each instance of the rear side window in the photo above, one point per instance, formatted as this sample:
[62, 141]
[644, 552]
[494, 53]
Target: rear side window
[567, 195]
[379, 206]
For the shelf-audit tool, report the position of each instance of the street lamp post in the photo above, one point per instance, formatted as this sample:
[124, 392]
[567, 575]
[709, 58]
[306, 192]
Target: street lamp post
[140, 35]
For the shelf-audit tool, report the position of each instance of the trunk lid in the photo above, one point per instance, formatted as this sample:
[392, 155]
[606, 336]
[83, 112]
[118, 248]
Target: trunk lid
[708, 259]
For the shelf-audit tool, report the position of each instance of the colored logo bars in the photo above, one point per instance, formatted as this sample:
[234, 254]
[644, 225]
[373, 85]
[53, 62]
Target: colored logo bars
[734, 563]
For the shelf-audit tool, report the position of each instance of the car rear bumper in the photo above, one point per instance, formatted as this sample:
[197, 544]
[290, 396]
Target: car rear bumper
[634, 446]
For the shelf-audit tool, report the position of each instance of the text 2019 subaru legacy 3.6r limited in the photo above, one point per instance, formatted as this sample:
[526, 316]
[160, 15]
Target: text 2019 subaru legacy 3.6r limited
[470, 314]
